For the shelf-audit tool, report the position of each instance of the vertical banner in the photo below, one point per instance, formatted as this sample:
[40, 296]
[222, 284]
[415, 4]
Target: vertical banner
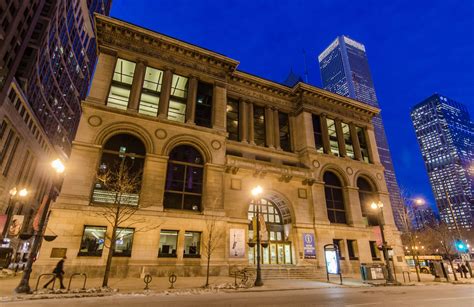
[309, 246]
[15, 225]
[263, 228]
[3, 222]
[378, 236]
[237, 243]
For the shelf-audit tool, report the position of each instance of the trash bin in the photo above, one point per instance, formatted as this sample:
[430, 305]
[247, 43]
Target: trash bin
[373, 271]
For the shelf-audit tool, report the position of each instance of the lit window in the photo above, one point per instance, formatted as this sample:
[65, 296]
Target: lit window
[346, 132]
[333, 144]
[92, 243]
[123, 242]
[178, 97]
[192, 243]
[150, 97]
[318, 134]
[121, 84]
[168, 243]
[233, 119]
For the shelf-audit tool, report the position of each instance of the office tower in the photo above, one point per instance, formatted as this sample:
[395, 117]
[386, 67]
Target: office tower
[345, 71]
[445, 134]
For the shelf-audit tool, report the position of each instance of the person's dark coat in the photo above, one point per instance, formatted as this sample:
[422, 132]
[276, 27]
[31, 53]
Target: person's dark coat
[58, 270]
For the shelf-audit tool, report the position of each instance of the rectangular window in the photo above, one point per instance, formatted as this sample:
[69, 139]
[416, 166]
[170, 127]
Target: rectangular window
[3, 128]
[352, 249]
[204, 104]
[192, 244]
[284, 127]
[374, 250]
[121, 84]
[6, 146]
[364, 150]
[346, 132]
[333, 144]
[259, 125]
[92, 243]
[178, 97]
[233, 119]
[123, 242]
[318, 133]
[150, 96]
[340, 245]
[10, 157]
[168, 243]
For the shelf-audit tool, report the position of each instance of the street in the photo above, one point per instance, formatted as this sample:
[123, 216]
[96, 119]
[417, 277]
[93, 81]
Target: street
[436, 295]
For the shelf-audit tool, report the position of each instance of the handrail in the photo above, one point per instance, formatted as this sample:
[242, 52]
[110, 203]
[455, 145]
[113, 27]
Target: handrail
[408, 274]
[78, 274]
[45, 274]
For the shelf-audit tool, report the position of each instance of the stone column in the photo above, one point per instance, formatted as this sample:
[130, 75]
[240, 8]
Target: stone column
[319, 203]
[250, 118]
[269, 135]
[103, 75]
[355, 142]
[372, 145]
[353, 209]
[137, 84]
[153, 182]
[219, 106]
[213, 187]
[191, 102]
[340, 138]
[276, 129]
[293, 127]
[165, 94]
[243, 121]
[324, 131]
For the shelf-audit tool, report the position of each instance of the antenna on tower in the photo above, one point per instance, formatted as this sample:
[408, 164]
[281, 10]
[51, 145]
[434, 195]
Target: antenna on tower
[305, 67]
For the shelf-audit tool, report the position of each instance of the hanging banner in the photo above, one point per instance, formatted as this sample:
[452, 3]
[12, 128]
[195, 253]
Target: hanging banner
[237, 243]
[15, 225]
[309, 246]
[263, 228]
[39, 213]
[378, 236]
[3, 222]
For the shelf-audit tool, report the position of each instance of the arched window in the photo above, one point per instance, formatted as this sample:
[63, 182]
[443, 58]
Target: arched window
[334, 198]
[183, 188]
[367, 195]
[120, 171]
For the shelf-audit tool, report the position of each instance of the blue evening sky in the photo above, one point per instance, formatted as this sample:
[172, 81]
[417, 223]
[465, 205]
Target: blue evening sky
[415, 48]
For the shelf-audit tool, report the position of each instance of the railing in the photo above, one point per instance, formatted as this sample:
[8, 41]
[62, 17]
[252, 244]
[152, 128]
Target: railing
[46, 274]
[78, 274]
[408, 275]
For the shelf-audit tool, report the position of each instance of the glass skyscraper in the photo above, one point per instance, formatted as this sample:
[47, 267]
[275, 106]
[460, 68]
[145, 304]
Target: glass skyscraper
[345, 71]
[445, 134]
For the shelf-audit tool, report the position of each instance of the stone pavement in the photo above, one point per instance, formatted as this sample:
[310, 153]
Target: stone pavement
[190, 285]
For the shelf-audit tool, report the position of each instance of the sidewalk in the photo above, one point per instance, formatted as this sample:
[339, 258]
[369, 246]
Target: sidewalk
[194, 285]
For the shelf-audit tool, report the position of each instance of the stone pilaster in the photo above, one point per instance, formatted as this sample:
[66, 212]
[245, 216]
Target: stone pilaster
[213, 188]
[372, 145]
[165, 94]
[269, 132]
[243, 121]
[324, 131]
[353, 209]
[251, 129]
[319, 202]
[340, 138]
[103, 75]
[276, 129]
[153, 182]
[355, 142]
[137, 84]
[219, 106]
[191, 102]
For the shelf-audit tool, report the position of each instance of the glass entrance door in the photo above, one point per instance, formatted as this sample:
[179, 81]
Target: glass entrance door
[275, 253]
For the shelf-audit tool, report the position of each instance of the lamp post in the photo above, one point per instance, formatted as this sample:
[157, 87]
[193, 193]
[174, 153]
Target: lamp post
[379, 206]
[14, 194]
[24, 286]
[408, 224]
[256, 200]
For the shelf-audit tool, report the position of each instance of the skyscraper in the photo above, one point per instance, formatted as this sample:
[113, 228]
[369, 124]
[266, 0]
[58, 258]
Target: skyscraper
[345, 71]
[445, 134]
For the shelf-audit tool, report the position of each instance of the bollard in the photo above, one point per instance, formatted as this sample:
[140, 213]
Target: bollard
[147, 279]
[172, 279]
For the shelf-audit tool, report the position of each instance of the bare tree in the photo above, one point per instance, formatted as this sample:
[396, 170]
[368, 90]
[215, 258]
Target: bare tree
[212, 239]
[119, 189]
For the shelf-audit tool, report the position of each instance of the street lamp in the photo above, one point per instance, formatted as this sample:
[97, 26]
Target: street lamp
[24, 286]
[14, 195]
[256, 200]
[379, 206]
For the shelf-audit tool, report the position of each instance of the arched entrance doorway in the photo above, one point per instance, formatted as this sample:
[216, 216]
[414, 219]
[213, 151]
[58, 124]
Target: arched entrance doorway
[278, 222]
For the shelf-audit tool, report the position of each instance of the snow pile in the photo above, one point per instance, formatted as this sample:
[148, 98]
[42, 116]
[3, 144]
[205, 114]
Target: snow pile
[6, 273]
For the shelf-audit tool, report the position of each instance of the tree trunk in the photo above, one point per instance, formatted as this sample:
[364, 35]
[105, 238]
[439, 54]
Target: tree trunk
[207, 273]
[108, 265]
[452, 267]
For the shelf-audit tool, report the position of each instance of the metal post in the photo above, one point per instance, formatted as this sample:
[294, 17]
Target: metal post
[258, 280]
[24, 286]
[10, 209]
[384, 249]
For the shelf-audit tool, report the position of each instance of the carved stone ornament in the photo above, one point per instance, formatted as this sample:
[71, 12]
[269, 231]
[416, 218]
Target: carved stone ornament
[216, 144]
[379, 176]
[349, 170]
[94, 121]
[161, 134]
[316, 163]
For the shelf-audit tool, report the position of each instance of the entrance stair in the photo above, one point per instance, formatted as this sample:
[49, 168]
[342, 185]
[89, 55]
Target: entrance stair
[290, 272]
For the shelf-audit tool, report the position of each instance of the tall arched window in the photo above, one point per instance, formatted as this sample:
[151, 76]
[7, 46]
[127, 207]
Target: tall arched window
[183, 188]
[120, 171]
[334, 198]
[367, 195]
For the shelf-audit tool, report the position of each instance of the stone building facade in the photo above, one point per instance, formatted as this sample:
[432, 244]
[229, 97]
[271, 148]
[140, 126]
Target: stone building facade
[201, 134]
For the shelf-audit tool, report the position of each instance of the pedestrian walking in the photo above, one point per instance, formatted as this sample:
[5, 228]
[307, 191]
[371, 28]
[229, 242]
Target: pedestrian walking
[58, 273]
[464, 270]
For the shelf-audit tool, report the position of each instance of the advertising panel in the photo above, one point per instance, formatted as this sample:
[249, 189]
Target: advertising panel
[309, 246]
[237, 243]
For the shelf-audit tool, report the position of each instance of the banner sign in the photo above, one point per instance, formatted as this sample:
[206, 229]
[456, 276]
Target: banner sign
[309, 246]
[237, 243]
[15, 225]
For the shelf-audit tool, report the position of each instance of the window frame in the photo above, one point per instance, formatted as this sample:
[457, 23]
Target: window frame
[332, 188]
[198, 255]
[172, 255]
[88, 254]
[129, 253]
